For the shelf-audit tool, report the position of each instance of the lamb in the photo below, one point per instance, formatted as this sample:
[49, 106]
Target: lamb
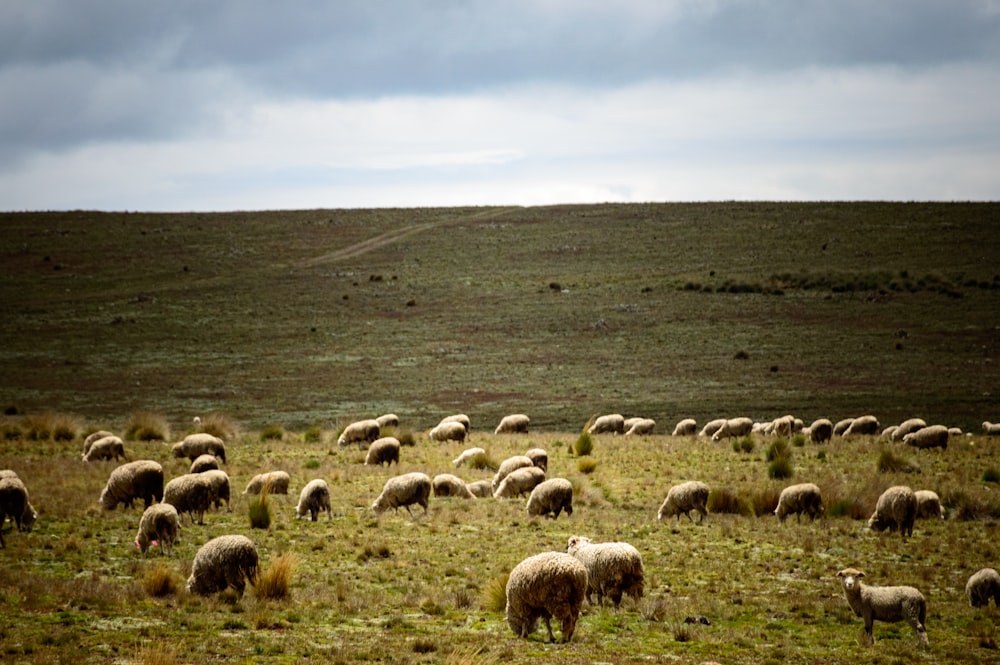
[405, 490]
[198, 444]
[907, 426]
[539, 458]
[685, 427]
[896, 508]
[543, 586]
[613, 423]
[820, 431]
[641, 426]
[383, 451]
[711, 427]
[220, 487]
[204, 463]
[888, 603]
[802, 498]
[929, 505]
[445, 484]
[159, 524]
[733, 427]
[519, 482]
[982, 586]
[142, 479]
[551, 497]
[516, 423]
[387, 420]
[106, 448]
[683, 498]
[991, 429]
[14, 504]
[191, 493]
[933, 436]
[613, 569]
[459, 418]
[313, 498]
[507, 466]
[275, 482]
[448, 431]
[476, 458]
[480, 489]
[95, 436]
[360, 432]
[223, 562]
[862, 425]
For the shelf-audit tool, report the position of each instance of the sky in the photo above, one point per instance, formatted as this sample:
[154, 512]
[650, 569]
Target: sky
[190, 105]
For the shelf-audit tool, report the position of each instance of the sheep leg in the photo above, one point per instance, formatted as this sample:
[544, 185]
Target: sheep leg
[548, 625]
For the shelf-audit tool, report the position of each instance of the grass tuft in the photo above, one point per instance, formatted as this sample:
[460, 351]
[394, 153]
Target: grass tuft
[494, 595]
[991, 476]
[50, 425]
[159, 581]
[725, 501]
[259, 511]
[220, 425]
[584, 445]
[890, 462]
[147, 426]
[586, 465]
[273, 582]
[272, 433]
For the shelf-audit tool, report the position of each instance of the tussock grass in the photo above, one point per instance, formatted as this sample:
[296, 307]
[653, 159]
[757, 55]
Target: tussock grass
[147, 426]
[220, 425]
[274, 581]
[272, 433]
[584, 444]
[158, 581]
[49, 425]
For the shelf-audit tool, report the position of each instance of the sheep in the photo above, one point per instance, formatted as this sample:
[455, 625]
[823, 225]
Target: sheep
[223, 562]
[159, 524]
[983, 585]
[613, 569]
[275, 482]
[711, 427]
[201, 443]
[476, 458]
[819, 431]
[14, 504]
[480, 489]
[928, 505]
[551, 497]
[519, 482]
[683, 498]
[783, 426]
[888, 603]
[191, 493]
[446, 484]
[685, 427]
[802, 498]
[404, 490]
[862, 425]
[141, 479]
[991, 429]
[448, 431]
[543, 586]
[220, 487]
[539, 458]
[107, 448]
[387, 420]
[95, 436]
[313, 498]
[641, 426]
[383, 451]
[888, 432]
[204, 463]
[458, 418]
[896, 508]
[8, 473]
[613, 423]
[905, 427]
[360, 432]
[933, 436]
[954, 431]
[733, 427]
[516, 423]
[508, 465]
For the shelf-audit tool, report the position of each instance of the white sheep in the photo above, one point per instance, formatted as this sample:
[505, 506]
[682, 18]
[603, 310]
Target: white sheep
[896, 509]
[819, 431]
[448, 431]
[889, 603]
[14, 503]
[928, 505]
[106, 448]
[274, 482]
[507, 466]
[932, 436]
[733, 427]
[204, 463]
[159, 524]
[387, 420]
[685, 427]
[683, 498]
[223, 562]
[94, 436]
[476, 458]
[783, 426]
[446, 484]
[191, 493]
[515, 423]
[544, 586]
[539, 457]
[405, 490]
[480, 489]
[313, 498]
[361, 432]
[801, 498]
[905, 427]
[612, 423]
[519, 482]
[641, 426]
[200, 443]
[383, 451]
[841, 426]
[862, 425]
[459, 418]
[551, 497]
[983, 585]
[141, 479]
[613, 569]
[219, 480]
[888, 432]
[991, 429]
[711, 427]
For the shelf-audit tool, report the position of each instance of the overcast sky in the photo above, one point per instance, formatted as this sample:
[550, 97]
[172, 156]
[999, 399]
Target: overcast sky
[254, 104]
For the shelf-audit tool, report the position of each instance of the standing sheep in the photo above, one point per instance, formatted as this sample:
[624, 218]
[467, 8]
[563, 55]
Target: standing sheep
[275, 482]
[223, 562]
[547, 585]
[683, 498]
[613, 569]
[991, 429]
[888, 603]
[313, 498]
[360, 432]
[446, 484]
[480, 489]
[862, 425]
[733, 427]
[613, 423]
[928, 505]
[820, 431]
[387, 420]
[95, 436]
[219, 480]
[802, 498]
[982, 586]
[14, 504]
[458, 418]
[191, 493]
[159, 524]
[933, 436]
[896, 509]
[476, 458]
[448, 431]
[204, 463]
[519, 482]
[516, 423]
[507, 466]
[551, 497]
[142, 479]
[106, 448]
[405, 490]
[685, 427]
[201, 443]
[539, 458]
[383, 451]
[640, 427]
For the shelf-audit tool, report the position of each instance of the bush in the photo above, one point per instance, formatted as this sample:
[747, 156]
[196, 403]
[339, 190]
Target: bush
[744, 444]
[584, 445]
[273, 582]
[147, 426]
[780, 468]
[272, 433]
[313, 435]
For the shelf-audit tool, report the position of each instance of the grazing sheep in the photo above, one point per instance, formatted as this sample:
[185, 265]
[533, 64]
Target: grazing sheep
[476, 458]
[480, 489]
[519, 482]
[8, 473]
[107, 448]
[191, 493]
[862, 425]
[685, 427]
[641, 426]
[887, 603]
[276, 482]
[383, 451]
[223, 562]
[387, 420]
[991, 429]
[613, 569]
[905, 427]
[142, 479]
[929, 505]
[733, 427]
[158, 524]
[14, 504]
[551, 497]
[613, 423]
[543, 586]
[405, 490]
[448, 431]
[204, 463]
[445, 484]
[96, 436]
[933, 436]
[783, 426]
[201, 443]
[802, 498]
[954, 431]
[982, 586]
[313, 498]
[683, 498]
[539, 458]
[896, 509]
[888, 432]
[508, 465]
[220, 487]
[459, 418]
[820, 431]
[711, 427]
[361, 432]
[516, 423]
